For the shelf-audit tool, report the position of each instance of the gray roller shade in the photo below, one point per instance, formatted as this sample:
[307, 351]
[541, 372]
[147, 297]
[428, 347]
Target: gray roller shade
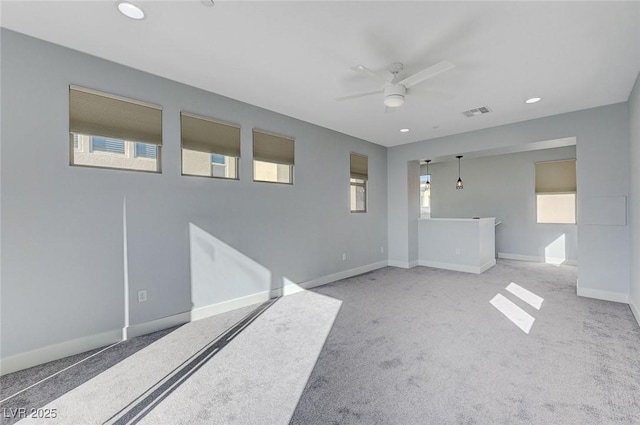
[556, 176]
[359, 166]
[269, 147]
[209, 135]
[100, 114]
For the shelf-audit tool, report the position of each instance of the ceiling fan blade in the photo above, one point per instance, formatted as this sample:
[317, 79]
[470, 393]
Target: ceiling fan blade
[431, 93]
[355, 96]
[370, 74]
[427, 73]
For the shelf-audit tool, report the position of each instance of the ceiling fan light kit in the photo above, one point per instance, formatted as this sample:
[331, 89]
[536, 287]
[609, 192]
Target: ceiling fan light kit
[394, 95]
[395, 89]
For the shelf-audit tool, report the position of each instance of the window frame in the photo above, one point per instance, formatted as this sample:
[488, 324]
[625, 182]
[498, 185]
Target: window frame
[231, 158]
[86, 146]
[426, 215]
[554, 189]
[291, 167]
[360, 173]
[362, 184]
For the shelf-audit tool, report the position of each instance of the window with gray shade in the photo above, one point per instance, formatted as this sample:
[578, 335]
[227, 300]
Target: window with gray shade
[273, 157]
[359, 168]
[556, 191]
[210, 147]
[110, 131]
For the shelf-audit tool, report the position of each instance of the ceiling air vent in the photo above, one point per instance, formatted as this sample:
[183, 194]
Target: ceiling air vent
[478, 111]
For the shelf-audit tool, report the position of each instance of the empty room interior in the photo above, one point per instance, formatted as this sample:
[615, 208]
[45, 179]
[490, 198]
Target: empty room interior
[301, 212]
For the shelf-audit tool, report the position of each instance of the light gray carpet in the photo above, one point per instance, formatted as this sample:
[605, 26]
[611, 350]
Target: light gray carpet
[34, 390]
[93, 401]
[425, 346]
[257, 378]
[419, 346]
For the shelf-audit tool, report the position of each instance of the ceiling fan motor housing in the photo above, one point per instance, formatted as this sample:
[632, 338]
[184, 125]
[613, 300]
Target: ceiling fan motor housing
[394, 95]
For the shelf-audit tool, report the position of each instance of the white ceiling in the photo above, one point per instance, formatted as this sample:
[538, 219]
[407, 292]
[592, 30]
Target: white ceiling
[294, 57]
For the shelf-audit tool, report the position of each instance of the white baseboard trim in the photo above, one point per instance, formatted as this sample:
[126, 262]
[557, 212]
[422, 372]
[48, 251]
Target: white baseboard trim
[403, 264]
[223, 307]
[635, 310]
[342, 275]
[602, 295]
[455, 267]
[156, 325]
[58, 351]
[69, 348]
[518, 257]
[487, 265]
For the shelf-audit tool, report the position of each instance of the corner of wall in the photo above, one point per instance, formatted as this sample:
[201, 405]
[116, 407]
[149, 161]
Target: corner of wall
[634, 210]
[635, 310]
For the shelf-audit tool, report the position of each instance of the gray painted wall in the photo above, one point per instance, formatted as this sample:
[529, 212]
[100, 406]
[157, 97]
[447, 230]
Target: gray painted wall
[502, 186]
[603, 168]
[62, 241]
[634, 115]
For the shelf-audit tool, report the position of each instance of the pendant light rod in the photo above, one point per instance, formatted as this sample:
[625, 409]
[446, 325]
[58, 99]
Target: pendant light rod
[427, 185]
[459, 182]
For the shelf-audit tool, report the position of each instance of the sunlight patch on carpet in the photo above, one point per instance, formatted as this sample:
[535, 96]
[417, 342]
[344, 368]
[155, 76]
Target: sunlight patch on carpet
[527, 296]
[518, 316]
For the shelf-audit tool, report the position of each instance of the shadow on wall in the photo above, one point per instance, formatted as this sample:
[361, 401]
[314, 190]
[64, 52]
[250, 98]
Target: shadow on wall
[223, 278]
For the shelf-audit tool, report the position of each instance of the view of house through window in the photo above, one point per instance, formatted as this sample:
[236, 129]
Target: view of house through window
[204, 164]
[556, 191]
[358, 182]
[109, 131]
[272, 172]
[96, 151]
[425, 196]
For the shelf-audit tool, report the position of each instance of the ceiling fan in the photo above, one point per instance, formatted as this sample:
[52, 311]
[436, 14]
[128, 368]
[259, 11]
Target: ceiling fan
[395, 89]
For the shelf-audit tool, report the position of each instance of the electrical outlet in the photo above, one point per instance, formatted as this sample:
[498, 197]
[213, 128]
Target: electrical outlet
[344, 256]
[382, 249]
[457, 251]
[142, 295]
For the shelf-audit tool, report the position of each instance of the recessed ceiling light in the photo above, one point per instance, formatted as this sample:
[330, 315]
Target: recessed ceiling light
[533, 100]
[404, 130]
[130, 10]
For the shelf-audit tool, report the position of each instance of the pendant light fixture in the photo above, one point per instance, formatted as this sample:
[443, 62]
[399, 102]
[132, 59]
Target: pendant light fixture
[427, 184]
[459, 182]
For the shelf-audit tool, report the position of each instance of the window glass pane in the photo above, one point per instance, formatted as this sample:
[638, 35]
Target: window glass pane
[425, 196]
[217, 159]
[272, 172]
[556, 208]
[97, 151]
[358, 195]
[146, 150]
[103, 144]
[195, 163]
